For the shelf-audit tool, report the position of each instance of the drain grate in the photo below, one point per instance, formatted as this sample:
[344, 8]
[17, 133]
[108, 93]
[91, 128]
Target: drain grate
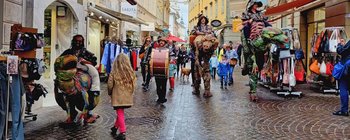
[143, 121]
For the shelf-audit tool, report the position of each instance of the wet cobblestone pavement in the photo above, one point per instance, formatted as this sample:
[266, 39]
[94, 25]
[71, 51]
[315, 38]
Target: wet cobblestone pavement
[227, 115]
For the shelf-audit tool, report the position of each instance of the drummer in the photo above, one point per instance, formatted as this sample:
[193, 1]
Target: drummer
[161, 81]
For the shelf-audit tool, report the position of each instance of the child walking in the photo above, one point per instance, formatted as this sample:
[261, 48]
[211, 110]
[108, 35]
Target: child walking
[121, 86]
[172, 71]
[223, 70]
[213, 65]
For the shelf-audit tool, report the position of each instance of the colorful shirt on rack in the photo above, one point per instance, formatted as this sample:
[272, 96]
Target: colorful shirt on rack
[111, 51]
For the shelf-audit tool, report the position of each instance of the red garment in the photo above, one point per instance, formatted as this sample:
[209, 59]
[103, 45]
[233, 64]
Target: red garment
[172, 82]
[120, 121]
[134, 59]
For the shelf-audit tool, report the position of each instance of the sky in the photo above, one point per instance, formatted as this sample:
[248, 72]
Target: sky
[183, 11]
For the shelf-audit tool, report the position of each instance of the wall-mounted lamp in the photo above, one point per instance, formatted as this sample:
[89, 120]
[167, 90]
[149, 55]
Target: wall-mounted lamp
[92, 14]
[100, 17]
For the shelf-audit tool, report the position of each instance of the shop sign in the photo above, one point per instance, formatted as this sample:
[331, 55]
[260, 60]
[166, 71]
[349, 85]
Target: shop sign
[150, 27]
[216, 23]
[236, 25]
[128, 9]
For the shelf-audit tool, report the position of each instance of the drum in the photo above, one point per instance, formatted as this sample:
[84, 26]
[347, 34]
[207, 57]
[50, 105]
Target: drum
[159, 63]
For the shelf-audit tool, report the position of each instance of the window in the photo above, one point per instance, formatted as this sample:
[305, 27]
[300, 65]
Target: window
[216, 8]
[222, 6]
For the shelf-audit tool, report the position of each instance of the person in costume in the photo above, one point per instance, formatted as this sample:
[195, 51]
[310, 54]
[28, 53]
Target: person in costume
[203, 47]
[253, 22]
[65, 68]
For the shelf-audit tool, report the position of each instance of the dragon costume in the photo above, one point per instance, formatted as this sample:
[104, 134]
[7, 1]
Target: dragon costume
[256, 37]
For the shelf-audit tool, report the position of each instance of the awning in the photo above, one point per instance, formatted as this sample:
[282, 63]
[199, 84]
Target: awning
[119, 15]
[299, 9]
[284, 7]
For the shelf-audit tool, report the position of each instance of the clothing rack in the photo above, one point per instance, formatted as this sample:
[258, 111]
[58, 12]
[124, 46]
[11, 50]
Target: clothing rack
[29, 54]
[283, 90]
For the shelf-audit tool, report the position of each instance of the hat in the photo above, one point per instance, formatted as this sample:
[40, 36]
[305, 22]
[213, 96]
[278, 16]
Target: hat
[252, 2]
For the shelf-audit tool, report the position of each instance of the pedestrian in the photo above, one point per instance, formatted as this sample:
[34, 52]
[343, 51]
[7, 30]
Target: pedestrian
[231, 56]
[172, 71]
[213, 65]
[344, 83]
[121, 87]
[142, 53]
[223, 70]
[181, 58]
[161, 81]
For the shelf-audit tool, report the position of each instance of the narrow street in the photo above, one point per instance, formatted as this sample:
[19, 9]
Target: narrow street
[227, 115]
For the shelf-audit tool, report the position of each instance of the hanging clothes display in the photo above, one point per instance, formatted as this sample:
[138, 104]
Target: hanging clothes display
[111, 51]
[3, 99]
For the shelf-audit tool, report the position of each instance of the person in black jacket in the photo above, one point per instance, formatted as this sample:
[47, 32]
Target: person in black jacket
[181, 58]
[344, 83]
[142, 53]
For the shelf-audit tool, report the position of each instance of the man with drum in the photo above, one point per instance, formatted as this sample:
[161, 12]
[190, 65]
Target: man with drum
[157, 59]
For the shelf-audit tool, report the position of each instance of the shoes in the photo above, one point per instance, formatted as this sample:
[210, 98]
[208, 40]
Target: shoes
[340, 113]
[225, 87]
[162, 101]
[145, 89]
[143, 84]
[91, 118]
[221, 87]
[171, 89]
[207, 95]
[121, 136]
[114, 130]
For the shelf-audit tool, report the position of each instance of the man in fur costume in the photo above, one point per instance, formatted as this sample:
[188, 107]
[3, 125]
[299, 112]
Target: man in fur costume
[203, 47]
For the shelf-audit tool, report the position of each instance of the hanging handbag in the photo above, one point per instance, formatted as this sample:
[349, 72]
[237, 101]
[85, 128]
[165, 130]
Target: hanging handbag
[317, 43]
[299, 54]
[292, 80]
[329, 68]
[315, 68]
[325, 42]
[296, 42]
[284, 54]
[334, 40]
[285, 71]
[323, 68]
[299, 71]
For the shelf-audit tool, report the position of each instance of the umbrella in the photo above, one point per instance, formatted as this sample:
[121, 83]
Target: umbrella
[174, 38]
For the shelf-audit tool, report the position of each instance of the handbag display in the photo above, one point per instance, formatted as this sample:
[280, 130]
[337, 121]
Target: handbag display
[292, 80]
[334, 40]
[299, 71]
[284, 54]
[315, 68]
[299, 54]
